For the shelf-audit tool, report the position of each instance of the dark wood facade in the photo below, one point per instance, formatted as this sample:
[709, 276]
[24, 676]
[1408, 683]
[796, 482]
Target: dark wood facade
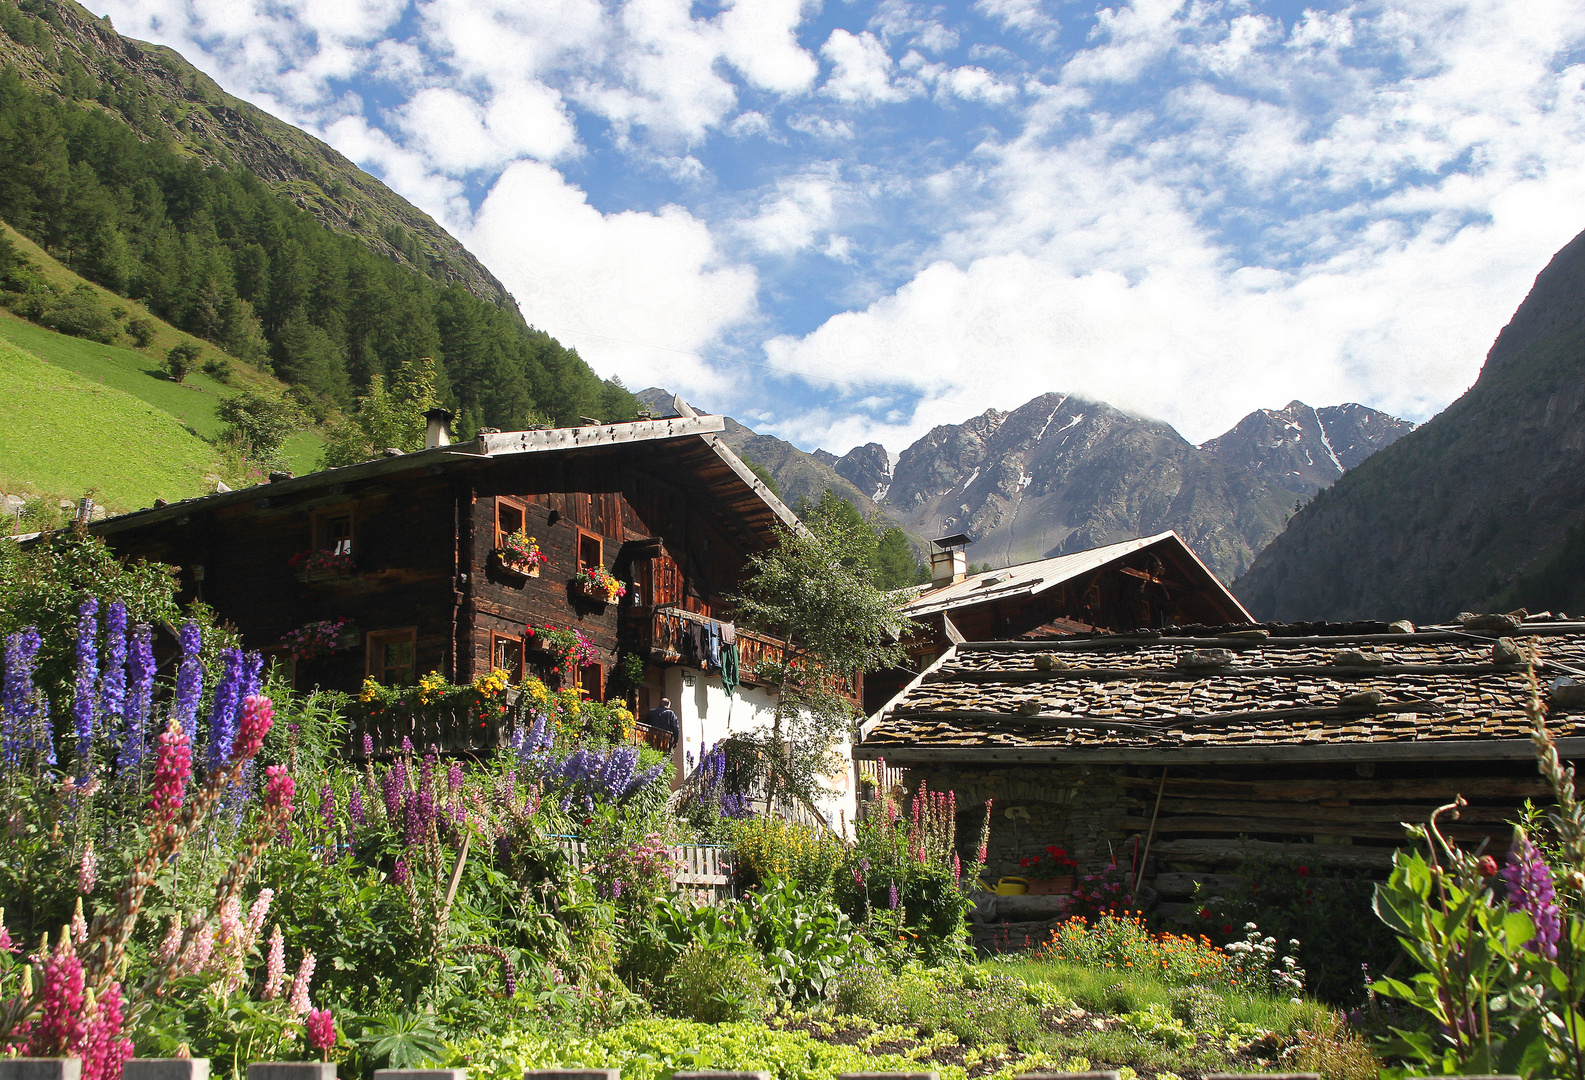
[664, 505]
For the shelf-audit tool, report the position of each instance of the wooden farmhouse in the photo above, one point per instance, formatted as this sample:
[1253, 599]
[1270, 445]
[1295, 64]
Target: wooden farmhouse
[1180, 756]
[1149, 582]
[408, 551]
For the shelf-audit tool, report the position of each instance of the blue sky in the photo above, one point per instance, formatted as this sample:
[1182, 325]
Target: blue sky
[852, 220]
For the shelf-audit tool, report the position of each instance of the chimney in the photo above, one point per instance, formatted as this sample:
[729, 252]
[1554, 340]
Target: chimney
[949, 560]
[439, 431]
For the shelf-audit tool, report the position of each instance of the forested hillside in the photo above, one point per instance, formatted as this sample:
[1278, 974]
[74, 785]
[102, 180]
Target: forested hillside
[89, 169]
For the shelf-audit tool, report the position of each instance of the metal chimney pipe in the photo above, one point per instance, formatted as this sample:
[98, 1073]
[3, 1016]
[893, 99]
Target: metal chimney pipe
[438, 433]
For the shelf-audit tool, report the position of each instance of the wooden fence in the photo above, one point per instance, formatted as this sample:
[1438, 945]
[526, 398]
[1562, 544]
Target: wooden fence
[703, 871]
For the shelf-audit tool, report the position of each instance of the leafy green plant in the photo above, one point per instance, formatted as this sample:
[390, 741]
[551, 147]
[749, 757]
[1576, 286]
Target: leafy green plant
[715, 985]
[400, 1040]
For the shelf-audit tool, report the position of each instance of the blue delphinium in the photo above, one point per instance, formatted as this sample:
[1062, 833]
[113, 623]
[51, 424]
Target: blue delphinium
[139, 704]
[189, 680]
[226, 710]
[113, 683]
[1530, 889]
[22, 702]
[84, 697]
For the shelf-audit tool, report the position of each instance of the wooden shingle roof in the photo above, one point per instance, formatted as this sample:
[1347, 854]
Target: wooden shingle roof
[1246, 697]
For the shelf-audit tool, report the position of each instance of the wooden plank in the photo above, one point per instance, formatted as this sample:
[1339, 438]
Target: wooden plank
[1514, 787]
[1310, 811]
[1232, 671]
[525, 442]
[1318, 825]
[1233, 852]
[1272, 753]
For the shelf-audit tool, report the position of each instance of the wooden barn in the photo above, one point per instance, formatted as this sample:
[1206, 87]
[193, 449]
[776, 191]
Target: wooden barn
[1149, 582]
[1182, 755]
[404, 557]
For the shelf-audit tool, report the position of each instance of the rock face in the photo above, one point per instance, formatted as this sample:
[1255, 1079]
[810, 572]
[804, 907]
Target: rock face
[1447, 517]
[868, 468]
[1302, 449]
[188, 107]
[1062, 473]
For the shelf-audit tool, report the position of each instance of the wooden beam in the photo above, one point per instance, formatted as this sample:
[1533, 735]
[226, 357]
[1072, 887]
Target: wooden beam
[1167, 725]
[903, 754]
[1288, 790]
[526, 442]
[1308, 671]
[1233, 852]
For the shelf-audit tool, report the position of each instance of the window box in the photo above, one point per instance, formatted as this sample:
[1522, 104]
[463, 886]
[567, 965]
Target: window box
[508, 562]
[598, 585]
[320, 564]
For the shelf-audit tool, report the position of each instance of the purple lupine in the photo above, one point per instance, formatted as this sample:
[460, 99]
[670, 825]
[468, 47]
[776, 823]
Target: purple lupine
[327, 806]
[368, 745]
[412, 819]
[140, 700]
[891, 897]
[355, 809]
[113, 683]
[189, 680]
[407, 745]
[399, 873]
[19, 698]
[226, 708]
[85, 697]
[454, 778]
[1530, 889]
[391, 789]
[252, 675]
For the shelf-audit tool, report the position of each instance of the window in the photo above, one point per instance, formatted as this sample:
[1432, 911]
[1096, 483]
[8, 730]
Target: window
[333, 530]
[506, 653]
[510, 516]
[590, 551]
[393, 656]
[591, 680]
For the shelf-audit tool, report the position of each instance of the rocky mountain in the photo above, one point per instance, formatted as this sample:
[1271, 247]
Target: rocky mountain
[799, 475]
[1451, 516]
[1063, 473]
[1302, 449]
[60, 46]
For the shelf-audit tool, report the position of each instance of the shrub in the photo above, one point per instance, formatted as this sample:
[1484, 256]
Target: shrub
[80, 314]
[218, 368]
[716, 985]
[141, 330]
[771, 849]
[180, 360]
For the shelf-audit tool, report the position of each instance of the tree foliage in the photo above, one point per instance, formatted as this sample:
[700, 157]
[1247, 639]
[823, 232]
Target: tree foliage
[385, 418]
[260, 423]
[217, 253]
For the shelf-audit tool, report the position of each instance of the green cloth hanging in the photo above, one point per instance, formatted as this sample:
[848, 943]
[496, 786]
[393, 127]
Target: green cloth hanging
[729, 680]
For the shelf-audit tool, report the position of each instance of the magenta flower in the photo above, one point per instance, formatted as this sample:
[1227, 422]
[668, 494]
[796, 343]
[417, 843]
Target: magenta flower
[105, 1050]
[172, 769]
[258, 713]
[321, 1028]
[279, 787]
[1530, 889]
[60, 1027]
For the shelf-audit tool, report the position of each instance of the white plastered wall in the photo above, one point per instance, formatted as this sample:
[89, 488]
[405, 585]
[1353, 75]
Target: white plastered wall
[707, 715]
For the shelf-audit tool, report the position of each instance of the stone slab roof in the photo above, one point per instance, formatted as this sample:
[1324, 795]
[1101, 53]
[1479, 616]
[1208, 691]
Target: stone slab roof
[1248, 696]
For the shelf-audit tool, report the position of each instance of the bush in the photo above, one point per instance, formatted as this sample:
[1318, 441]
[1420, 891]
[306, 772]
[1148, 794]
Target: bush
[772, 849]
[218, 368]
[80, 314]
[180, 360]
[715, 985]
[141, 331]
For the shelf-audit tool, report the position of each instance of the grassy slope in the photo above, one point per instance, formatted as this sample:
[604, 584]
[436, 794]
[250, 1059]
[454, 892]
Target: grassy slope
[76, 434]
[137, 372]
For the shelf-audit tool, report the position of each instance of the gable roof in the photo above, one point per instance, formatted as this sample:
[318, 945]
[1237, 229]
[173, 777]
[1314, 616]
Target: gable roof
[688, 446]
[1030, 579]
[1240, 697]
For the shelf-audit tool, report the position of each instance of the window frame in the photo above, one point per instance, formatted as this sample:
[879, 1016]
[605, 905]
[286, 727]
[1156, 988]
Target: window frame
[509, 502]
[514, 674]
[587, 537]
[598, 693]
[373, 659]
[319, 532]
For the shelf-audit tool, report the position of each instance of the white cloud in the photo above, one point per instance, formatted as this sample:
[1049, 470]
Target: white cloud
[801, 211]
[861, 70]
[458, 135]
[641, 292]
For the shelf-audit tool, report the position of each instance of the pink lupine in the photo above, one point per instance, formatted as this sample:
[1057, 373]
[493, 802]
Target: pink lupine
[88, 870]
[60, 1027]
[279, 787]
[230, 922]
[258, 713]
[171, 943]
[275, 966]
[297, 1000]
[321, 1029]
[79, 924]
[105, 1050]
[172, 770]
[256, 916]
[6, 943]
[198, 954]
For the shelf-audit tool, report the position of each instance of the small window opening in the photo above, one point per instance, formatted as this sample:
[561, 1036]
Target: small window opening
[393, 656]
[506, 653]
[509, 518]
[333, 532]
[589, 551]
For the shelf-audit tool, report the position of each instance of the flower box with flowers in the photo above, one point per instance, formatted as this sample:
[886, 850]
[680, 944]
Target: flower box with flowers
[595, 583]
[318, 564]
[319, 639]
[519, 554]
[1049, 874]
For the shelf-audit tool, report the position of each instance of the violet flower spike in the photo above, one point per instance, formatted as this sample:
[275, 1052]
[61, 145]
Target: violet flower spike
[139, 702]
[20, 699]
[113, 683]
[225, 709]
[189, 680]
[85, 699]
[1531, 890]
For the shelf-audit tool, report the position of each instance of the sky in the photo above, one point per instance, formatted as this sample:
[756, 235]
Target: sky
[845, 221]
